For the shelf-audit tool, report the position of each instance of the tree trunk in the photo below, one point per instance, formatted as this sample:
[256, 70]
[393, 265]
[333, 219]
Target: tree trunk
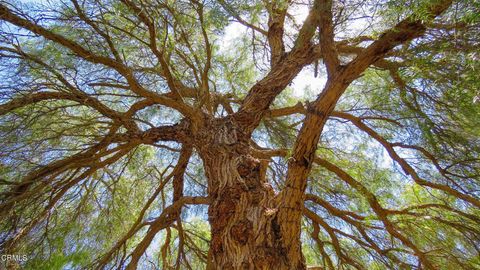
[245, 228]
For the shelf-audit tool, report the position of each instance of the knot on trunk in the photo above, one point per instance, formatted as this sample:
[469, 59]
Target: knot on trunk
[226, 133]
[221, 136]
[248, 167]
[250, 171]
[241, 231]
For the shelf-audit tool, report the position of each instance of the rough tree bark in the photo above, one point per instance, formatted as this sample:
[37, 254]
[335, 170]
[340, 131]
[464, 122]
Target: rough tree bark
[242, 213]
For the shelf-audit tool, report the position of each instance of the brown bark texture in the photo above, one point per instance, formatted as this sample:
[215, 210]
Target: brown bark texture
[243, 210]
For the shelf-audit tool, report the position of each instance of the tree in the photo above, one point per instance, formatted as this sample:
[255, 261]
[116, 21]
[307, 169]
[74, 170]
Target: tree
[132, 136]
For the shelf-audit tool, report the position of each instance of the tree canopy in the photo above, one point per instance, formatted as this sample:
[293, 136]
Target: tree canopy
[106, 108]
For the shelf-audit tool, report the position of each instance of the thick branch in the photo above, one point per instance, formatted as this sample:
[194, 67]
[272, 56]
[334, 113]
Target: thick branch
[262, 94]
[276, 21]
[329, 52]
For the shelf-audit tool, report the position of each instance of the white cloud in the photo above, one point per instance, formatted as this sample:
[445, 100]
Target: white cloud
[306, 80]
[233, 32]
